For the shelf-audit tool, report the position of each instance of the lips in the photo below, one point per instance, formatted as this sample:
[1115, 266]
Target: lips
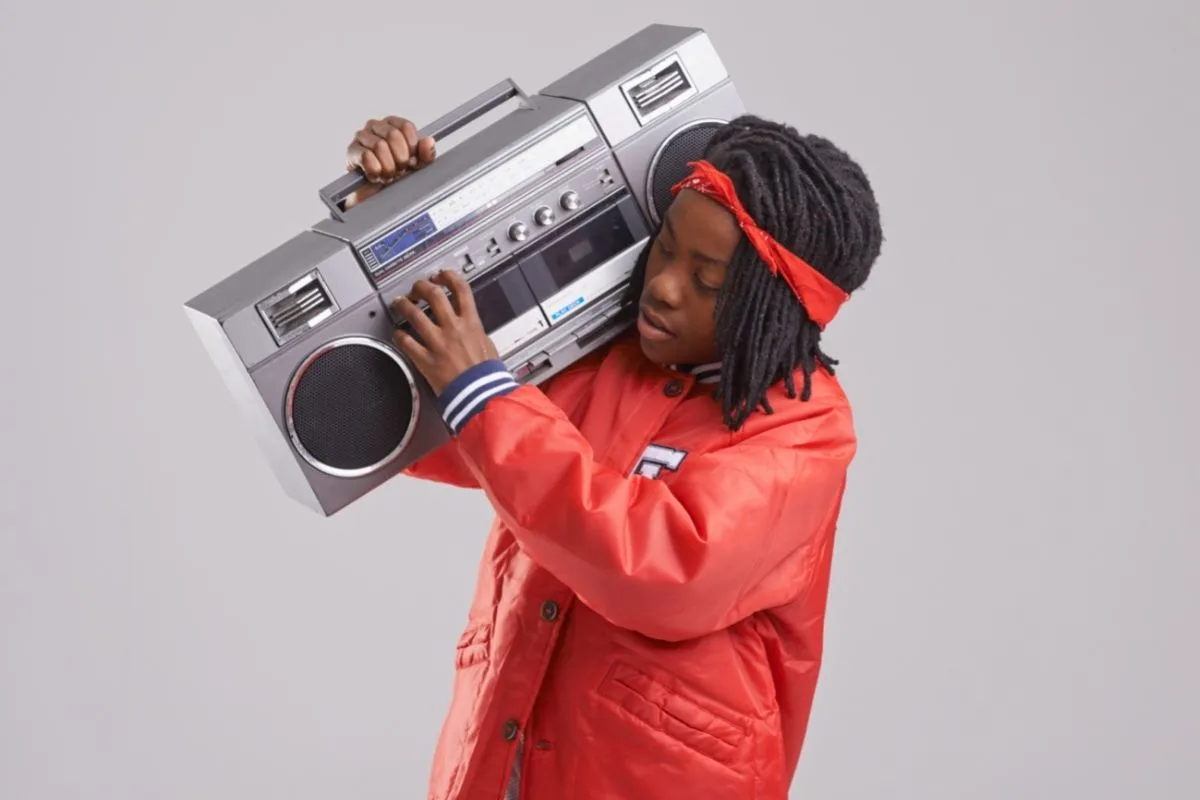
[655, 320]
[653, 324]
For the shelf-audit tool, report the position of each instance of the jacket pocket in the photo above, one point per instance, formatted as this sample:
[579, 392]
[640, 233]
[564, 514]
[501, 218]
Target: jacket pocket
[677, 712]
[473, 646]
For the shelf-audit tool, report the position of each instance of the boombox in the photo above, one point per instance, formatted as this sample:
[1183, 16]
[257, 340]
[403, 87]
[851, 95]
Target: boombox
[544, 211]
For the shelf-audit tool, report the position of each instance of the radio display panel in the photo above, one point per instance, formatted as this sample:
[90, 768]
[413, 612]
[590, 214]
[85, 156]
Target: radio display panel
[462, 207]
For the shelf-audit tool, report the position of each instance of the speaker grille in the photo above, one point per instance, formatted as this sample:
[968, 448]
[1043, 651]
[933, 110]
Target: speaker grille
[352, 407]
[670, 162]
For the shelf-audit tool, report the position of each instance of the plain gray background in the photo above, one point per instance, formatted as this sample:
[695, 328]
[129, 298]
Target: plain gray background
[1013, 612]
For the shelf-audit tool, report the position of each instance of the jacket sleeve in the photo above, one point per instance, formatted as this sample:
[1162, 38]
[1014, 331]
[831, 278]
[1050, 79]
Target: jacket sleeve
[461, 400]
[443, 465]
[733, 532]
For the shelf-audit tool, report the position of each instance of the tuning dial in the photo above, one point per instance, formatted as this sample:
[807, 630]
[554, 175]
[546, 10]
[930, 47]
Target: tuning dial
[518, 232]
[544, 216]
[569, 200]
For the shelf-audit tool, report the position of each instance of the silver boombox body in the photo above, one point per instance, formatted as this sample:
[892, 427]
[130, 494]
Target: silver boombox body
[544, 211]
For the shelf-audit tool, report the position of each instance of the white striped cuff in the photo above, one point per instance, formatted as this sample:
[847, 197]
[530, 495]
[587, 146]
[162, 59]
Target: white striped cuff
[467, 394]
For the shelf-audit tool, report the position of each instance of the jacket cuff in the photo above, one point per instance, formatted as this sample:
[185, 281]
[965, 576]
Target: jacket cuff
[467, 394]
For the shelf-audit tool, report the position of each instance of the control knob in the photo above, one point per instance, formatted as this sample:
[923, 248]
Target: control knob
[518, 232]
[570, 200]
[544, 216]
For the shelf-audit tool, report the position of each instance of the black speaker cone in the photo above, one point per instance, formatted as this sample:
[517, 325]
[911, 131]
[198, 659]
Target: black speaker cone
[670, 163]
[352, 406]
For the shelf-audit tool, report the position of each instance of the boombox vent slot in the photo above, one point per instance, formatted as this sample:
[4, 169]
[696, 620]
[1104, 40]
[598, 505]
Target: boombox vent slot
[297, 308]
[659, 90]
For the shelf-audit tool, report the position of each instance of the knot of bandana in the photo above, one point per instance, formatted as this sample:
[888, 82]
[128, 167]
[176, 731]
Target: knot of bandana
[820, 296]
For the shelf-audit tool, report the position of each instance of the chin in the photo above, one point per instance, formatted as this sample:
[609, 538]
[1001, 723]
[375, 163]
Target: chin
[655, 352]
[665, 353]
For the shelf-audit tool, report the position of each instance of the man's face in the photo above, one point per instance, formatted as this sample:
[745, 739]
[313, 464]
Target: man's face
[684, 273]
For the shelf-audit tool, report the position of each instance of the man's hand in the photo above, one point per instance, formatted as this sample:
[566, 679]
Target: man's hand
[450, 343]
[386, 150]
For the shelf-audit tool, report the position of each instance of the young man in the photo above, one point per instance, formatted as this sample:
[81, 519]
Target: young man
[649, 613]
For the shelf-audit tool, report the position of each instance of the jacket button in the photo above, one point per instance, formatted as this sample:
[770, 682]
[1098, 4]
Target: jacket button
[549, 611]
[510, 730]
[673, 388]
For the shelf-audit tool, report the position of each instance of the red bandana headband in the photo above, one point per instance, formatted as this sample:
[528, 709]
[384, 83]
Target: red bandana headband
[821, 297]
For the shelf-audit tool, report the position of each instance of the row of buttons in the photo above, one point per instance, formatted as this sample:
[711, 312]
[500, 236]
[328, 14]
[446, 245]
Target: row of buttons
[544, 216]
[511, 727]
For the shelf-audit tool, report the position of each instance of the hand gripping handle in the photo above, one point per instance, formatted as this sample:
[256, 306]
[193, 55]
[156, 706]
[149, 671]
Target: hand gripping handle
[336, 191]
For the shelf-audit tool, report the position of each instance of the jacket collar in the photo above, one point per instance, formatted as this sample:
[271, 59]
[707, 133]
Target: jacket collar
[703, 373]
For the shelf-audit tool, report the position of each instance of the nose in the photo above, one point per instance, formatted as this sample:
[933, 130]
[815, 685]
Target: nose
[664, 288]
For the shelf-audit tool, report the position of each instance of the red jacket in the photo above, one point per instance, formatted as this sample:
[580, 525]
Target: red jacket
[649, 613]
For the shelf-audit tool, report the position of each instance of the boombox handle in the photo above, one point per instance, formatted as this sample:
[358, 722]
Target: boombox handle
[337, 191]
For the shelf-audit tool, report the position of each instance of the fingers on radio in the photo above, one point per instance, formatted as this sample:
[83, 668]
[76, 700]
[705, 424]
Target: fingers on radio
[435, 290]
[448, 297]
[435, 296]
[389, 148]
[423, 328]
[459, 291]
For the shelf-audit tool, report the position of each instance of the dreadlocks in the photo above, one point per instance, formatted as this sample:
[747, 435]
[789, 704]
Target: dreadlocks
[815, 201]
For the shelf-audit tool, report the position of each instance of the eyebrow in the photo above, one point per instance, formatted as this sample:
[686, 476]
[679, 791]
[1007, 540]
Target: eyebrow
[696, 253]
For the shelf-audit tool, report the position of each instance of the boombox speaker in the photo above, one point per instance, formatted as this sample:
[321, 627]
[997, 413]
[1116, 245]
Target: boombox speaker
[544, 211]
